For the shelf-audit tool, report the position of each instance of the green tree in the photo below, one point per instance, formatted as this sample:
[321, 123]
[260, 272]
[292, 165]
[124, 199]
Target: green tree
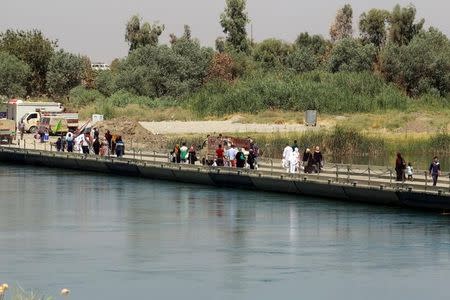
[65, 71]
[105, 82]
[314, 43]
[138, 35]
[422, 66]
[33, 48]
[342, 26]
[303, 60]
[14, 74]
[196, 58]
[233, 21]
[402, 27]
[165, 71]
[350, 55]
[271, 53]
[373, 26]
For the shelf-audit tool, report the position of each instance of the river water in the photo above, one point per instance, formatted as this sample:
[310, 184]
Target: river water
[110, 237]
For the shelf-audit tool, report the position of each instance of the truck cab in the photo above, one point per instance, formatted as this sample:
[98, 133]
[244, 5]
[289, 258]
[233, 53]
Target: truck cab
[30, 121]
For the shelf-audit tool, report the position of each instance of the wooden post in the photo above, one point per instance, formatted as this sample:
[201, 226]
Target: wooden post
[271, 167]
[426, 180]
[390, 177]
[337, 173]
[348, 174]
[368, 170]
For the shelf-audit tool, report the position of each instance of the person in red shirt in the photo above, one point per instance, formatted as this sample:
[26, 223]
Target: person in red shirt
[219, 156]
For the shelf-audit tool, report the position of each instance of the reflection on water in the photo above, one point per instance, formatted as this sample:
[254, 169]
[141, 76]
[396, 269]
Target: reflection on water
[116, 237]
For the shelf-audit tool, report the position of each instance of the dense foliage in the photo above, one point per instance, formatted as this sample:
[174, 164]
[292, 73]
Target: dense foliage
[333, 93]
[33, 48]
[14, 74]
[65, 71]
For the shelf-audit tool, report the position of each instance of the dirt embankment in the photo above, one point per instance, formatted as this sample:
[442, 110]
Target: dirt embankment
[133, 134]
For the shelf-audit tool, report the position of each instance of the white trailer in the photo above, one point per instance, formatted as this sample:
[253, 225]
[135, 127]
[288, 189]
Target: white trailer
[16, 109]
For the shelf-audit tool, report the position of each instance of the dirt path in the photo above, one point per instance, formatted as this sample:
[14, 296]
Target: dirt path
[178, 127]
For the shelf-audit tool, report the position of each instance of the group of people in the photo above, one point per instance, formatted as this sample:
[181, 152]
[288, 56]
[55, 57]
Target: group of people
[91, 142]
[183, 154]
[402, 169]
[235, 157]
[308, 162]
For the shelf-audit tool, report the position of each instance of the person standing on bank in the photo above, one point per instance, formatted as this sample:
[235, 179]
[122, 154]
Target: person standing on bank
[435, 170]
[400, 166]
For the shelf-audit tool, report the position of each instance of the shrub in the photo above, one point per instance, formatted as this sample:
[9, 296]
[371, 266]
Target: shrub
[326, 92]
[80, 96]
[105, 82]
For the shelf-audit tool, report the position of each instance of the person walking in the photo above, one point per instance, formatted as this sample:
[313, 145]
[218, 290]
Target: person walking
[85, 144]
[318, 160]
[435, 170]
[184, 152]
[240, 159]
[108, 137]
[293, 161]
[58, 144]
[400, 166]
[21, 129]
[96, 146]
[69, 141]
[251, 159]
[192, 155]
[410, 172]
[219, 156]
[231, 153]
[104, 149]
[286, 157]
[120, 147]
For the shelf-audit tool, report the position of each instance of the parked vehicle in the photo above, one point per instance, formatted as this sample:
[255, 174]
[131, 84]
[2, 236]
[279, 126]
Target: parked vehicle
[16, 109]
[7, 131]
[31, 120]
[54, 125]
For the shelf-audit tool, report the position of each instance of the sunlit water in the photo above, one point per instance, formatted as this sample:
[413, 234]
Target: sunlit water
[108, 237]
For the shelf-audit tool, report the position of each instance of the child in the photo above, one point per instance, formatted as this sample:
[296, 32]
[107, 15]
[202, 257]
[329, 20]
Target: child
[409, 172]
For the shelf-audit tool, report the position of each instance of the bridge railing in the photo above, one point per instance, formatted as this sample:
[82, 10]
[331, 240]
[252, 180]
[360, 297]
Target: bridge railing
[356, 175]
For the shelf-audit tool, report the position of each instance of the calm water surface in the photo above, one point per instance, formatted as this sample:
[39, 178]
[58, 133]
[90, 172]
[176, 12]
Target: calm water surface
[109, 238]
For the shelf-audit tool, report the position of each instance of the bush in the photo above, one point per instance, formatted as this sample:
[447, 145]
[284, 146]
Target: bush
[348, 55]
[326, 92]
[122, 98]
[105, 82]
[80, 96]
